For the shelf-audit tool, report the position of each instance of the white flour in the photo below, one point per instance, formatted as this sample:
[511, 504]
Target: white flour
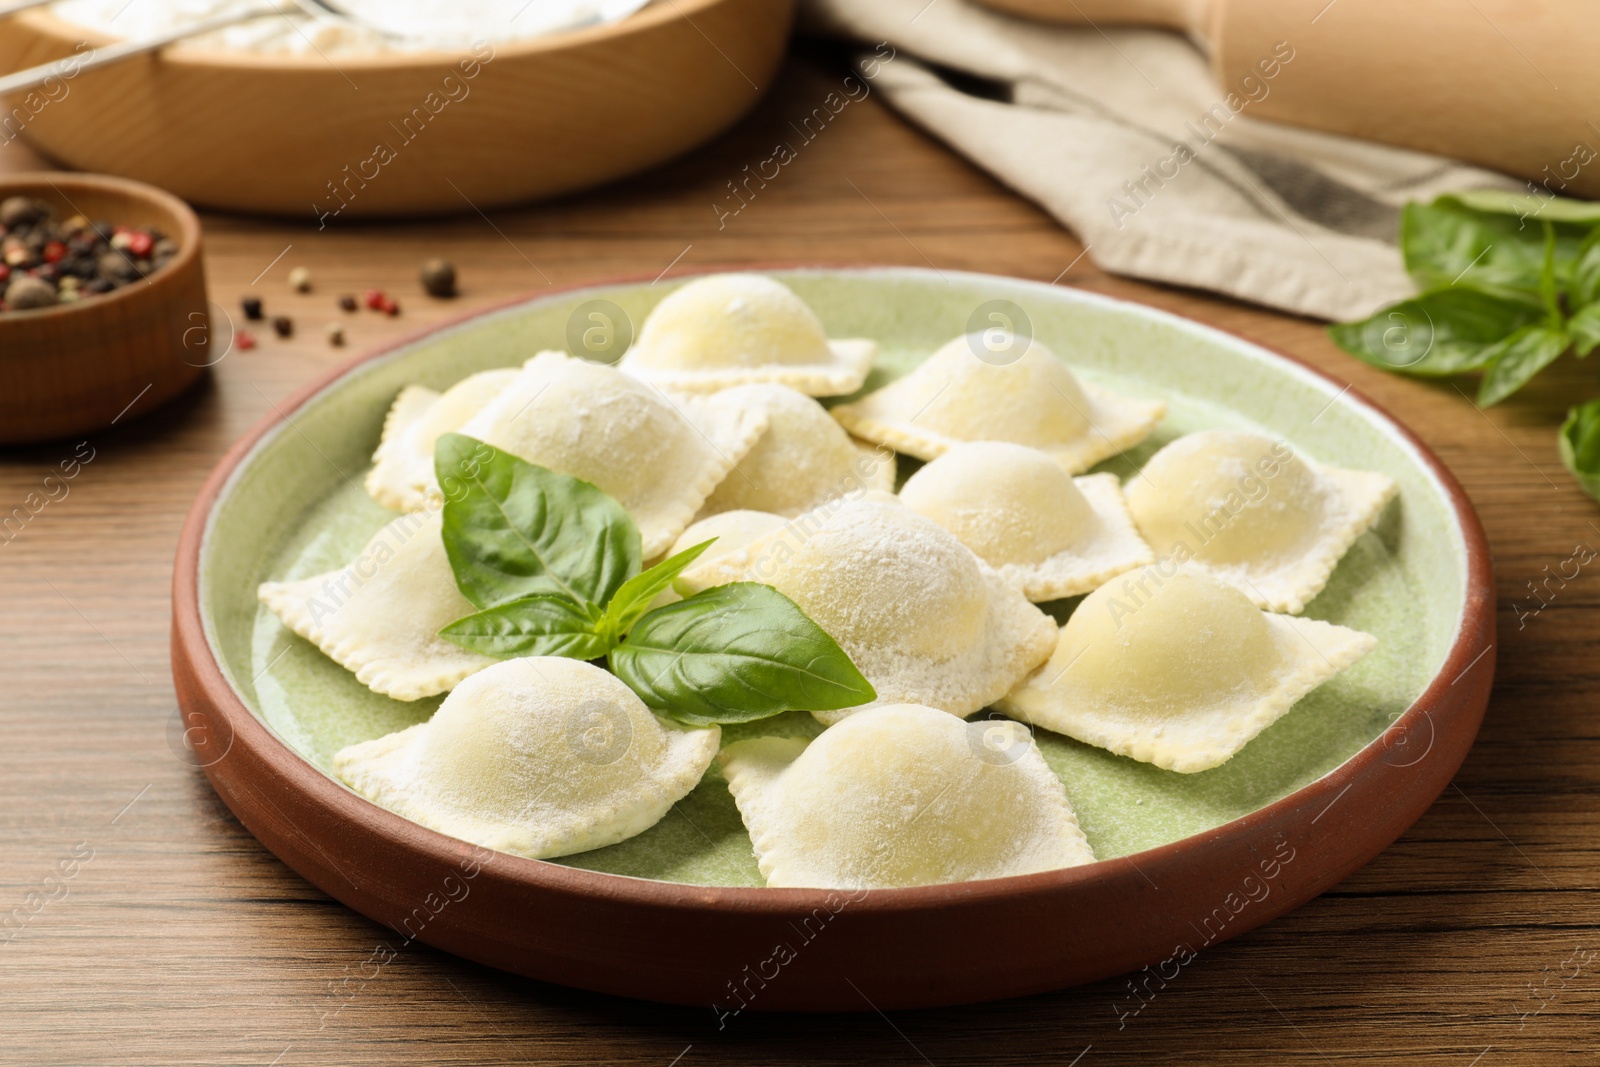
[421, 24]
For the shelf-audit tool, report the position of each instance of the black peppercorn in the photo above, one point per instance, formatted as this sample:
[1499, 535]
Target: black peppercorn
[283, 326]
[252, 307]
[439, 278]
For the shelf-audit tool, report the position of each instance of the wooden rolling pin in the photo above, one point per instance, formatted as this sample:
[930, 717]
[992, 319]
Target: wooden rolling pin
[1513, 85]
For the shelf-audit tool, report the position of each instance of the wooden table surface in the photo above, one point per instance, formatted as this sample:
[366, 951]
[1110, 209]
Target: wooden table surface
[176, 939]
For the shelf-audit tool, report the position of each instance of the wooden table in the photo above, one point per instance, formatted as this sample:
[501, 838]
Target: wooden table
[1472, 940]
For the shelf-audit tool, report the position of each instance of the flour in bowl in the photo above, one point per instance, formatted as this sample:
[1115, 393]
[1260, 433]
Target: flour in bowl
[415, 25]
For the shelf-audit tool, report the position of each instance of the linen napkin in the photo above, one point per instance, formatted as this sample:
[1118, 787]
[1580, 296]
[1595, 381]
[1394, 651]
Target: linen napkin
[1125, 137]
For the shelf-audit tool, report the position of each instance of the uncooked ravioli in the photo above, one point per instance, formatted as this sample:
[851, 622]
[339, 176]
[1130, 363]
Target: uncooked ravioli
[1247, 509]
[402, 475]
[380, 614]
[659, 456]
[1047, 533]
[1178, 669]
[923, 619]
[735, 329]
[540, 757]
[1033, 400]
[802, 458]
[902, 795]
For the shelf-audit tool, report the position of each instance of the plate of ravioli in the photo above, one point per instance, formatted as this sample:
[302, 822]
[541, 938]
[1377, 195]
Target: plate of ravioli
[936, 637]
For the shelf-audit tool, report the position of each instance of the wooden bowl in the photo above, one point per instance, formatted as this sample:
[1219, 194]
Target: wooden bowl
[363, 136]
[74, 368]
[738, 948]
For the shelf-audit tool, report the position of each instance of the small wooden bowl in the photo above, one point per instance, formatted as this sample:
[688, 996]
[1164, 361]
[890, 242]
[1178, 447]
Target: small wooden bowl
[420, 133]
[79, 367]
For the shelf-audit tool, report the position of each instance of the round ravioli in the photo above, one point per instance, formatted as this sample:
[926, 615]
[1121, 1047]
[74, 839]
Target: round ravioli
[659, 456]
[380, 615]
[734, 329]
[1245, 508]
[923, 619]
[1047, 533]
[1178, 669]
[540, 757]
[902, 795]
[402, 475]
[802, 458]
[1034, 400]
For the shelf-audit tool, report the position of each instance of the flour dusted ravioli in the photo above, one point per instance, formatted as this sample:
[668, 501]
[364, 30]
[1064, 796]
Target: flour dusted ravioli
[539, 757]
[659, 456]
[924, 620]
[1246, 509]
[802, 458]
[734, 329]
[402, 468]
[380, 615]
[1047, 533]
[1178, 669]
[1034, 400]
[902, 795]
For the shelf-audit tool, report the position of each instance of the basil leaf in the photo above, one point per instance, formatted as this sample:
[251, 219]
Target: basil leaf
[633, 599]
[1518, 358]
[543, 625]
[736, 653]
[1579, 441]
[1443, 332]
[1449, 243]
[1586, 272]
[1584, 328]
[513, 529]
[1524, 206]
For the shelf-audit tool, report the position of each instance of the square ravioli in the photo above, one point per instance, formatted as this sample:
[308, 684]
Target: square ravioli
[924, 619]
[902, 795]
[380, 615]
[1178, 669]
[1033, 399]
[1047, 533]
[659, 456]
[740, 329]
[1244, 508]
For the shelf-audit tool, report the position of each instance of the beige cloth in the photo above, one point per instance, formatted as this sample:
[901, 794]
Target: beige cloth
[1126, 138]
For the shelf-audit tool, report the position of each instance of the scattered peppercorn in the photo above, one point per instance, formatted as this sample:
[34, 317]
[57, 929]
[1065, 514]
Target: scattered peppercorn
[283, 326]
[374, 299]
[244, 339]
[439, 278]
[300, 280]
[72, 259]
[348, 303]
[252, 307]
[27, 293]
[391, 307]
[336, 334]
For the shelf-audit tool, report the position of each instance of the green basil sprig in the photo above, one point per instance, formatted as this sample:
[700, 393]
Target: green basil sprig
[553, 564]
[1579, 442]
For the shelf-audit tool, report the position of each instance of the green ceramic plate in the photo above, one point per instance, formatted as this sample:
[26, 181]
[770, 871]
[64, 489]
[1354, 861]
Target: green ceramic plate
[295, 507]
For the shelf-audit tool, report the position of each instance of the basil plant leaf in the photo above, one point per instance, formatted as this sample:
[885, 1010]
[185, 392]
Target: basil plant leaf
[542, 625]
[736, 653]
[513, 529]
[1585, 286]
[1584, 328]
[1579, 442]
[633, 599]
[1448, 243]
[1447, 331]
[1518, 358]
[1526, 206]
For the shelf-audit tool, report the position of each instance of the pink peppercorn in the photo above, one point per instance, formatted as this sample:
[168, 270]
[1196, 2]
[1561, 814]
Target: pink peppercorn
[140, 243]
[374, 299]
[54, 251]
[244, 340]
